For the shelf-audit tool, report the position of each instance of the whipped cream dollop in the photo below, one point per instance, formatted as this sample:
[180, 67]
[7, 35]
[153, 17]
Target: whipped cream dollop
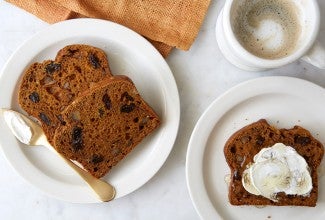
[278, 169]
[18, 126]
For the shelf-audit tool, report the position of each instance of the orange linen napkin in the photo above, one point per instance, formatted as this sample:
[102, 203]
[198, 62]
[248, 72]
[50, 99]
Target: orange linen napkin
[165, 23]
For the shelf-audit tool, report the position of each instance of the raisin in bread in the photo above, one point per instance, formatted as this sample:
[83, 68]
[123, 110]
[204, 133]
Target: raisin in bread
[243, 145]
[49, 87]
[104, 124]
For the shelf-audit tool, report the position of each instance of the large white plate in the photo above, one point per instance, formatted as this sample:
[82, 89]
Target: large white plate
[128, 54]
[284, 102]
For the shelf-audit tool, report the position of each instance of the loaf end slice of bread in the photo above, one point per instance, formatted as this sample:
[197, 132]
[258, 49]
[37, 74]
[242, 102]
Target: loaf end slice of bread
[49, 87]
[104, 124]
[243, 145]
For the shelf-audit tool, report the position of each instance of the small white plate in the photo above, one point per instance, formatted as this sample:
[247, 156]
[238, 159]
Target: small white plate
[283, 102]
[128, 54]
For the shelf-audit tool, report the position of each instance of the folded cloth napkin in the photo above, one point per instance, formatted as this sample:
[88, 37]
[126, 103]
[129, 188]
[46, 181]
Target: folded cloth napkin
[165, 23]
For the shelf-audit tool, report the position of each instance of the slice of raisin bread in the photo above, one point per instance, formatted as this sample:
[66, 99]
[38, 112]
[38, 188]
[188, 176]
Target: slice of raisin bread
[104, 124]
[243, 145]
[49, 87]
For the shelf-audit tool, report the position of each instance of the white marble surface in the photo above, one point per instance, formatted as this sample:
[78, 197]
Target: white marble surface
[202, 74]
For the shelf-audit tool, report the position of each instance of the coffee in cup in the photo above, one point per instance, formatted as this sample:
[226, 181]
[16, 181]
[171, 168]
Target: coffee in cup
[269, 29]
[258, 35]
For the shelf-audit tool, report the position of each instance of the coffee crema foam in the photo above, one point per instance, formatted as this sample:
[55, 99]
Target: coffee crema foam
[268, 29]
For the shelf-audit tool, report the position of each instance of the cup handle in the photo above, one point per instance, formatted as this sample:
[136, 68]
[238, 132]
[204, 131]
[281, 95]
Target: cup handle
[316, 56]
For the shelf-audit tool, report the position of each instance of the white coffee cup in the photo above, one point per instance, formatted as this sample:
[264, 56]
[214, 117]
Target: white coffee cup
[307, 48]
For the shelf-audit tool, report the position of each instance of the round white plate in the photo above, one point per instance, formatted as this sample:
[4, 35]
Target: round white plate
[284, 102]
[128, 54]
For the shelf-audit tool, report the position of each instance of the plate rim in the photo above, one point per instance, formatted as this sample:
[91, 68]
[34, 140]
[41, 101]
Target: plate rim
[167, 80]
[194, 170]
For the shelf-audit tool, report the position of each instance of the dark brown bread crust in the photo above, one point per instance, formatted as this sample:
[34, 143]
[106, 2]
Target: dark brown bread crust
[104, 124]
[243, 145]
[49, 87]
